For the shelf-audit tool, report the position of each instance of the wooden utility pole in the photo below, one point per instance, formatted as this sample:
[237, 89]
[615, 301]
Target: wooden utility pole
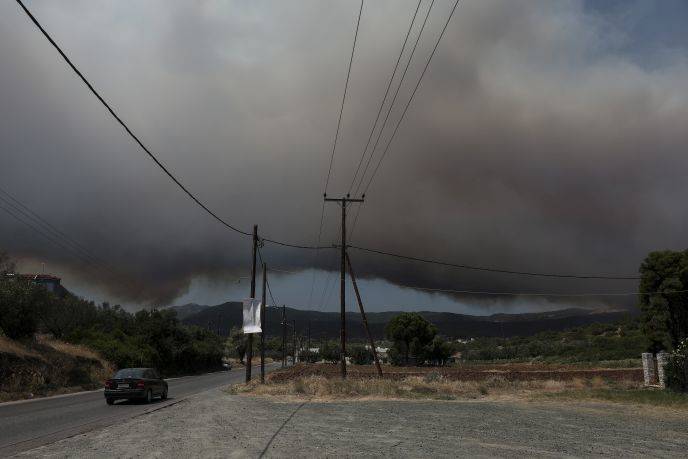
[342, 281]
[262, 325]
[293, 358]
[308, 347]
[249, 338]
[363, 316]
[284, 336]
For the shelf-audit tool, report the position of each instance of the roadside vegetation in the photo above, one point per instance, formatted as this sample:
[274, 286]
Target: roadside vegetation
[433, 386]
[596, 344]
[46, 366]
[146, 338]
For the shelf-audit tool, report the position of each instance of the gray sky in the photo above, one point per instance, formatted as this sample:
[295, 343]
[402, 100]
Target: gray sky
[546, 136]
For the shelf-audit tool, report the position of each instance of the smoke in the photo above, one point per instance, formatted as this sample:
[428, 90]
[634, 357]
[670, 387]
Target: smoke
[540, 139]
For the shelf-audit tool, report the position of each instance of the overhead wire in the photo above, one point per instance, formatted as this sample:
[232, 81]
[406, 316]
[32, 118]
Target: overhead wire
[389, 110]
[334, 148]
[544, 294]
[490, 269]
[316, 247]
[394, 98]
[24, 214]
[413, 94]
[138, 141]
[384, 98]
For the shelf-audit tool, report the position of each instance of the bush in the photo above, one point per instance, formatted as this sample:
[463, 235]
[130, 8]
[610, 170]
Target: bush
[676, 369]
[360, 355]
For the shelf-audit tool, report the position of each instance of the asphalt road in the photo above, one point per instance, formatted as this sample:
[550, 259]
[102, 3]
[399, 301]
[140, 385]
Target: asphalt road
[26, 425]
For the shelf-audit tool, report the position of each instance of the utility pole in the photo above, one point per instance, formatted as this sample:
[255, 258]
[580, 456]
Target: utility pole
[363, 316]
[308, 354]
[249, 339]
[284, 336]
[262, 325]
[293, 348]
[342, 281]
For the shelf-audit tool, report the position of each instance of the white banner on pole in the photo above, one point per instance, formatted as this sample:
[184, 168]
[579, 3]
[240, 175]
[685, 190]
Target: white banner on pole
[252, 316]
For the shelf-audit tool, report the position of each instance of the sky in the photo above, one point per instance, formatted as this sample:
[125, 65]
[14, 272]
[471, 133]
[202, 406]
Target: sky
[546, 135]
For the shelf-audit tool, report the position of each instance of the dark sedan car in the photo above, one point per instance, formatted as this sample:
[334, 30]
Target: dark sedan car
[135, 384]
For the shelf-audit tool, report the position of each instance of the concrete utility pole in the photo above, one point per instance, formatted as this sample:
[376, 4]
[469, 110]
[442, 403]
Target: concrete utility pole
[342, 281]
[284, 336]
[249, 338]
[364, 318]
[262, 325]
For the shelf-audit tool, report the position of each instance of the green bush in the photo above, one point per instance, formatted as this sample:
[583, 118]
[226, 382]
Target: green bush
[676, 369]
[360, 355]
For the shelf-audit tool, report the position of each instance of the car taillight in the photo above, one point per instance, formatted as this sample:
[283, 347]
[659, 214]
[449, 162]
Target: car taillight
[108, 384]
[139, 384]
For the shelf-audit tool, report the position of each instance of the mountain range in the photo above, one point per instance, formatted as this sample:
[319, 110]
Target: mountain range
[223, 317]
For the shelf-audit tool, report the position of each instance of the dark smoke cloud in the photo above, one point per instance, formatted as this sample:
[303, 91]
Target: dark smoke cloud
[537, 140]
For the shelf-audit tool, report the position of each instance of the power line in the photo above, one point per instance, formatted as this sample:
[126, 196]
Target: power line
[384, 98]
[394, 98]
[141, 144]
[48, 231]
[544, 294]
[26, 211]
[334, 148]
[494, 270]
[346, 87]
[427, 64]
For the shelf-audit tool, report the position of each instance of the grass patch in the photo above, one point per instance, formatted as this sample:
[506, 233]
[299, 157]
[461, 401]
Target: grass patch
[637, 396]
[430, 387]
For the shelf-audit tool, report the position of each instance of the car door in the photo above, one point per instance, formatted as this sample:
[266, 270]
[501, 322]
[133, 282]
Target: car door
[156, 382]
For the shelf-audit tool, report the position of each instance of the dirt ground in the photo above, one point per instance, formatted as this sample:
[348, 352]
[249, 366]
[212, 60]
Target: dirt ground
[217, 424]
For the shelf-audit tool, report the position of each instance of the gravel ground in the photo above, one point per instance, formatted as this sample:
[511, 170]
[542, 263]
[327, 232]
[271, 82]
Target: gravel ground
[215, 424]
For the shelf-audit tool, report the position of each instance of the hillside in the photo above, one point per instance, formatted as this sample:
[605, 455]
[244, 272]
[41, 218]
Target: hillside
[222, 317]
[45, 366]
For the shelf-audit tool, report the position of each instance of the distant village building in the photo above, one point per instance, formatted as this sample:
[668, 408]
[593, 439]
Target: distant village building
[49, 282]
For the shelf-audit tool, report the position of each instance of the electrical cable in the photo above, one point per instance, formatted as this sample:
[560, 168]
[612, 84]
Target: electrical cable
[384, 98]
[494, 270]
[150, 154]
[403, 114]
[394, 98]
[346, 87]
[334, 148]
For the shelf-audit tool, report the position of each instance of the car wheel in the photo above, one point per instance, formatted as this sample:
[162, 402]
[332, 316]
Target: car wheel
[164, 394]
[109, 401]
[149, 396]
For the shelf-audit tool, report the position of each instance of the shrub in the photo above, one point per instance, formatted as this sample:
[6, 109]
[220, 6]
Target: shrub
[676, 369]
[360, 355]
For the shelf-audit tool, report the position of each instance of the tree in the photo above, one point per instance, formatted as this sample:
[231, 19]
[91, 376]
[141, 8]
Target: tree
[664, 298]
[330, 352]
[410, 333]
[6, 263]
[20, 306]
[438, 351]
[236, 343]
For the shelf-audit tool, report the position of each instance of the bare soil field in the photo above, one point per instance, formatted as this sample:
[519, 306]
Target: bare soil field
[509, 372]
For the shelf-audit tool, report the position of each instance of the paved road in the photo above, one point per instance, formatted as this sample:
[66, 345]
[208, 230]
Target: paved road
[27, 425]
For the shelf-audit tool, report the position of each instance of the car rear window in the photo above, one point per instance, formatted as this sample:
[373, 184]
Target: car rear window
[130, 373]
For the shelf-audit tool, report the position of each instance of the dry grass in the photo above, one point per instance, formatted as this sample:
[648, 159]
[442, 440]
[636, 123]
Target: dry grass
[432, 386]
[9, 346]
[69, 349]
